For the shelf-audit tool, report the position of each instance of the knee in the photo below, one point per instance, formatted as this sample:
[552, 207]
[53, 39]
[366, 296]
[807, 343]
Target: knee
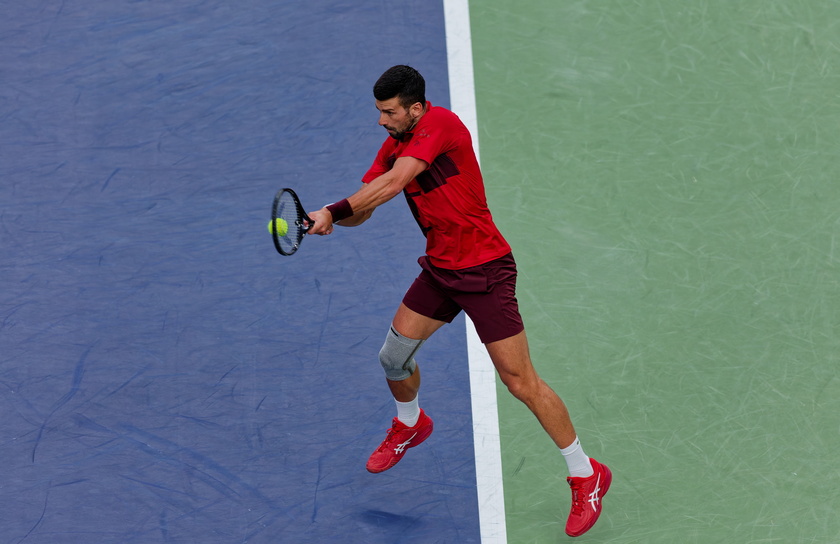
[397, 356]
[524, 388]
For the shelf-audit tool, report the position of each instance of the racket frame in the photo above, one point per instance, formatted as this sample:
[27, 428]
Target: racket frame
[303, 223]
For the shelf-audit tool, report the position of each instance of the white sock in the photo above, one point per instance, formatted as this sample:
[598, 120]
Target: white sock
[408, 412]
[576, 459]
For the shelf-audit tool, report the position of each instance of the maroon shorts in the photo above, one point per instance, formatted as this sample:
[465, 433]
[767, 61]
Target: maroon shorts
[487, 293]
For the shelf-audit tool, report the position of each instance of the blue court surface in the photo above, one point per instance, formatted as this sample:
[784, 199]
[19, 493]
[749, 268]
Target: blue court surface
[165, 375]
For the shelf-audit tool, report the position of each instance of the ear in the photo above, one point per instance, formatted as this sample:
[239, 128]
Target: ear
[416, 109]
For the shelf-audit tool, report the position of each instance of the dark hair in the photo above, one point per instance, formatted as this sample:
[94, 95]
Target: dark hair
[402, 81]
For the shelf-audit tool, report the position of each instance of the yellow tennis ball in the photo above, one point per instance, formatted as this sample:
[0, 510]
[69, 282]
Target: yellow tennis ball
[280, 225]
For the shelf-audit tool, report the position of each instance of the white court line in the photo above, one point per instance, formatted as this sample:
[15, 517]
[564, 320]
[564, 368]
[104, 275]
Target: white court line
[488, 454]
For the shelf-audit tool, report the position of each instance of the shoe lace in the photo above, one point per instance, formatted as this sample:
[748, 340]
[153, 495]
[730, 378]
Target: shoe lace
[386, 444]
[577, 497]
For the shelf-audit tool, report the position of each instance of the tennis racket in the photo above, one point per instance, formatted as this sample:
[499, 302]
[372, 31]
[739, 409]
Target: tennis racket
[288, 210]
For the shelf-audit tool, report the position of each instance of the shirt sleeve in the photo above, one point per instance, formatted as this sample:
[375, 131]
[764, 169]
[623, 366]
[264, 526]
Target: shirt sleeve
[380, 164]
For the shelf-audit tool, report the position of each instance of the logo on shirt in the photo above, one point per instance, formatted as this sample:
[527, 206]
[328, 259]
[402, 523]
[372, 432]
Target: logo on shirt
[418, 136]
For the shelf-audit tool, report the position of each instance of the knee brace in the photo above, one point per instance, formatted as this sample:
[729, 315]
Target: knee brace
[397, 356]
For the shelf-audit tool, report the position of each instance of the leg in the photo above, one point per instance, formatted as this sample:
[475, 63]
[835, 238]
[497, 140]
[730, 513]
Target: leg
[419, 327]
[513, 363]
[411, 426]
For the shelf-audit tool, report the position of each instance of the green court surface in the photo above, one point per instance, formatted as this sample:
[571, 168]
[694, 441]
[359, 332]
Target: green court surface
[667, 173]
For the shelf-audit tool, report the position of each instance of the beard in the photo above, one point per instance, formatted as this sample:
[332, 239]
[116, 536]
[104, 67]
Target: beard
[399, 135]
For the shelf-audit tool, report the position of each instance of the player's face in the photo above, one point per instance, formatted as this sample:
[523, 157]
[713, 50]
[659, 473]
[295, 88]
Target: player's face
[396, 119]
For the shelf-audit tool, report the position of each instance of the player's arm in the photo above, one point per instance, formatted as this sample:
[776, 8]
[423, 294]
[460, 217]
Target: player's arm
[357, 208]
[388, 185]
[357, 218]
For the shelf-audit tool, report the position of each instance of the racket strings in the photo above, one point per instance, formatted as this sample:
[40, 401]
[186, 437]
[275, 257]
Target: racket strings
[289, 211]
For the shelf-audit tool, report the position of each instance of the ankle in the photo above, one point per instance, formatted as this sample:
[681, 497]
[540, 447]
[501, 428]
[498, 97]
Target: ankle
[408, 412]
[577, 460]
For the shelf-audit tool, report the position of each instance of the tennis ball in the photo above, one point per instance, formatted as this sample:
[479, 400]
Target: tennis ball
[281, 226]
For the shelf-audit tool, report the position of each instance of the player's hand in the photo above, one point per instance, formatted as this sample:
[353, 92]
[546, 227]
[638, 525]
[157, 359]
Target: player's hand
[323, 224]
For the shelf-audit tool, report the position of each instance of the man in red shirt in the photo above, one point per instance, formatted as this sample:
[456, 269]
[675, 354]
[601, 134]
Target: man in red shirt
[468, 266]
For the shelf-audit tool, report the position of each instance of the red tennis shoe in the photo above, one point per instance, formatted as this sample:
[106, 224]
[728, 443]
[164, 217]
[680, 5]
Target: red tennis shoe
[400, 438]
[587, 495]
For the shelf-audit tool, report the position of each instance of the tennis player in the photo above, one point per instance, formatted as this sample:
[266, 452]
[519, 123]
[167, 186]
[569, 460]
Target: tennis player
[468, 266]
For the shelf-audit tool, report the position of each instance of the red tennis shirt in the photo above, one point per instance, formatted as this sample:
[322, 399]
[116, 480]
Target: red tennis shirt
[447, 199]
